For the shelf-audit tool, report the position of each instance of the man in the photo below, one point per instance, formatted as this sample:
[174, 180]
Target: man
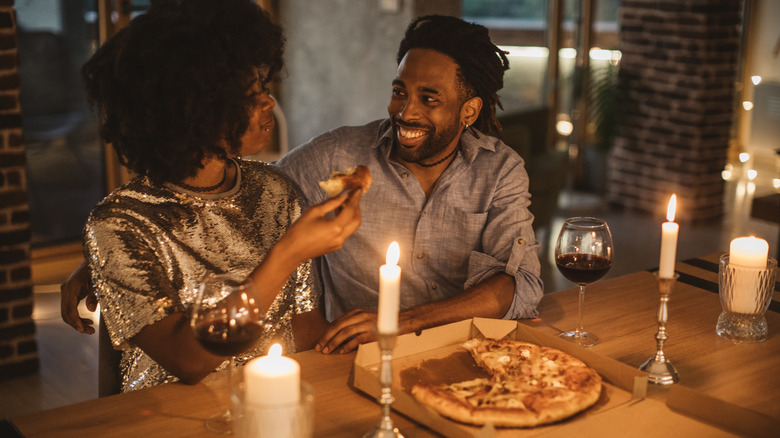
[455, 199]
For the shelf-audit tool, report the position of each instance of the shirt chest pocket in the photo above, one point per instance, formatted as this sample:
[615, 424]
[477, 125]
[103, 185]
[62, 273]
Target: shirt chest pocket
[455, 234]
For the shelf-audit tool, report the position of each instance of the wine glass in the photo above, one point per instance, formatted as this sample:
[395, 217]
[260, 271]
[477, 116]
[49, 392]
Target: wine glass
[226, 322]
[583, 254]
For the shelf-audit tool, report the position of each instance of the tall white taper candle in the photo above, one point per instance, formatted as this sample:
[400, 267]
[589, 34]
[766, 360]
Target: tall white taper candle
[389, 291]
[669, 231]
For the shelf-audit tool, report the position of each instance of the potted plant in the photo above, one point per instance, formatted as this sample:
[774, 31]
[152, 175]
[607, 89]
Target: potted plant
[601, 127]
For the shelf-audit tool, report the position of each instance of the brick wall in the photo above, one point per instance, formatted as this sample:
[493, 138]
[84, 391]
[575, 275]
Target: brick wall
[18, 349]
[675, 99]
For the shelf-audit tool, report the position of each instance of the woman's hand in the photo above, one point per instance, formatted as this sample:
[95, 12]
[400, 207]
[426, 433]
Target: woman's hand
[323, 228]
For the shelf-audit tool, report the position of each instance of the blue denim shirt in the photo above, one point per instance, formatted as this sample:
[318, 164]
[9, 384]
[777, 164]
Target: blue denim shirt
[475, 224]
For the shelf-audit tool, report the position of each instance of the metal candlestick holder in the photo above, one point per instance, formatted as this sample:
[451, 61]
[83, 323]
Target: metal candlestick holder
[385, 428]
[659, 369]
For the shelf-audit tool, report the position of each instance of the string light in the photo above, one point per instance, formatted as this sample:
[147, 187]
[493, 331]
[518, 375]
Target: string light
[564, 127]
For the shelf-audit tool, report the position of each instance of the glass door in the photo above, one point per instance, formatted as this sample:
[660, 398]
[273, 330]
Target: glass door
[65, 161]
[68, 168]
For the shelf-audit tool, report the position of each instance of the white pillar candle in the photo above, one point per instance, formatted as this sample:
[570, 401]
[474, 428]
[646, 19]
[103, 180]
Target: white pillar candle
[669, 232]
[273, 380]
[749, 252]
[389, 291]
[746, 254]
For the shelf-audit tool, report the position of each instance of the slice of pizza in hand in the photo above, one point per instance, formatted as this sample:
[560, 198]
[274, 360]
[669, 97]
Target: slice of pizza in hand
[350, 179]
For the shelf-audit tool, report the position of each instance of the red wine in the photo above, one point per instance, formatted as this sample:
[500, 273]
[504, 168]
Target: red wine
[219, 338]
[583, 268]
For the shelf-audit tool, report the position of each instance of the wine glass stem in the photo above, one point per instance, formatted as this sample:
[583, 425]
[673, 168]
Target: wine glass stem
[222, 423]
[580, 329]
[229, 406]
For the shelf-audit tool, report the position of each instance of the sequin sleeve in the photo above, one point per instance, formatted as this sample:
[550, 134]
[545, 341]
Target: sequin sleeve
[133, 289]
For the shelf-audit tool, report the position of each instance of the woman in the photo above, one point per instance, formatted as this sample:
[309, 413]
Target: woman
[181, 94]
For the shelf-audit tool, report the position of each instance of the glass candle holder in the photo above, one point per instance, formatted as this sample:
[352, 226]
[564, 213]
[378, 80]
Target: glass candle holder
[745, 294]
[277, 421]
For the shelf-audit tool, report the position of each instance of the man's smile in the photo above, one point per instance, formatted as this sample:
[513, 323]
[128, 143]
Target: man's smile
[410, 137]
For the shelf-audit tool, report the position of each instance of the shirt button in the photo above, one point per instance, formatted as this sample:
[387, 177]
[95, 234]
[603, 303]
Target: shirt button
[423, 214]
[405, 175]
[420, 255]
[521, 241]
[434, 287]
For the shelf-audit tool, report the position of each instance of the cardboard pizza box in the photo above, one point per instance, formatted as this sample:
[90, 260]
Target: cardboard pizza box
[437, 353]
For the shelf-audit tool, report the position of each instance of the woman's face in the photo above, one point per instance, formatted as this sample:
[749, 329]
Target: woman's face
[261, 122]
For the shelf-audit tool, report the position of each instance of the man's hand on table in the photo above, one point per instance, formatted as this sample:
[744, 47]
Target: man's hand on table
[347, 332]
[72, 291]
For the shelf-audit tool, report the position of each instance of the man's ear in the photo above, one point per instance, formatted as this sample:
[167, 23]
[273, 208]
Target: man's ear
[469, 112]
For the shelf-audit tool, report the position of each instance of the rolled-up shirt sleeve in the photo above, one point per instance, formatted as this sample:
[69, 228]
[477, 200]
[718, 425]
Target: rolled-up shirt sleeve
[509, 244]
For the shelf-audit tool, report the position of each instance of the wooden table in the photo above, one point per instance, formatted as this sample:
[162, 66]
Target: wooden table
[622, 311]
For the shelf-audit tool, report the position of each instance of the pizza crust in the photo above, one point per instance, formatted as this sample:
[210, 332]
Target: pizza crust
[442, 401]
[528, 386]
[354, 178]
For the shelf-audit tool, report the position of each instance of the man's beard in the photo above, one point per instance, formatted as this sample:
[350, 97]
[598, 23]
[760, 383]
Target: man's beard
[434, 143]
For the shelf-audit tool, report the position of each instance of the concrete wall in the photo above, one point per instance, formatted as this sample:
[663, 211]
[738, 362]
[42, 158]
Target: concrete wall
[340, 59]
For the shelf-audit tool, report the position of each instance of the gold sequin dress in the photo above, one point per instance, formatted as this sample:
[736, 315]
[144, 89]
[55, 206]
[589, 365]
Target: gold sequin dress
[149, 245]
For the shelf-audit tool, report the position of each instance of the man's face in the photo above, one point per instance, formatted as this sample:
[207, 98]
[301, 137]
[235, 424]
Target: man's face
[425, 106]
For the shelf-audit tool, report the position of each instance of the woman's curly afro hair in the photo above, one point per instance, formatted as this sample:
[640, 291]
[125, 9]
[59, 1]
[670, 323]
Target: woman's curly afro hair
[175, 82]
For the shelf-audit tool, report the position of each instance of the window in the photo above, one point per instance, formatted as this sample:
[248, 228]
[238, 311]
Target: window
[522, 27]
[68, 168]
[65, 170]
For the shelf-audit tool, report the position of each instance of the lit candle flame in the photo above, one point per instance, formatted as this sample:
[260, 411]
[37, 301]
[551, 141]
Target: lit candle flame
[275, 351]
[671, 208]
[393, 254]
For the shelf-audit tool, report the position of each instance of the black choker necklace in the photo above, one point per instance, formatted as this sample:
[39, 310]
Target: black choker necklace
[440, 161]
[204, 189]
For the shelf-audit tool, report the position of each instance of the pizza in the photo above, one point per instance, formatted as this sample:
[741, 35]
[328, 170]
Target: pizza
[527, 385]
[353, 178]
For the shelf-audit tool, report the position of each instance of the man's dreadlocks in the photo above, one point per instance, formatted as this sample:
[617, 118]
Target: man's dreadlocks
[481, 64]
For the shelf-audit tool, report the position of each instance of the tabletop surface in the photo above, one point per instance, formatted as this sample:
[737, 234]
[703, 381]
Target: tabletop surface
[622, 311]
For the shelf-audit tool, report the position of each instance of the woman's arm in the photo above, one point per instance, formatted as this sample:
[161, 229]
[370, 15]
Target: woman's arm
[190, 362]
[170, 341]
[172, 344]
[315, 233]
